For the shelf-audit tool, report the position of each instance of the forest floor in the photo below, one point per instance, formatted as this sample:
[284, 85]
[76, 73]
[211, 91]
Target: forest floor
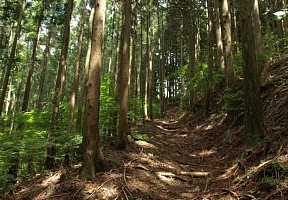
[188, 157]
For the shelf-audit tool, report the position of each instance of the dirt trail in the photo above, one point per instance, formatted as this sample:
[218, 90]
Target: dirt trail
[182, 161]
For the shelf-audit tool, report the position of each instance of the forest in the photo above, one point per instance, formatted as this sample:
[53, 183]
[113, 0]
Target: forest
[143, 99]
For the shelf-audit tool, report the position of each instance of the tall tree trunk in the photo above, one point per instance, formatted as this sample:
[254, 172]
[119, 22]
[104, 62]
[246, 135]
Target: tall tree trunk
[51, 150]
[124, 66]
[257, 27]
[133, 69]
[147, 70]
[161, 65]
[93, 158]
[142, 72]
[44, 69]
[75, 81]
[219, 45]
[210, 55]
[117, 52]
[183, 84]
[76, 70]
[192, 60]
[80, 101]
[227, 38]
[33, 59]
[234, 24]
[112, 38]
[12, 56]
[252, 104]
[151, 69]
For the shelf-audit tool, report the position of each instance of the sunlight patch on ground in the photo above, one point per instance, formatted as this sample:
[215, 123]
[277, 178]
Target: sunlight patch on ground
[216, 121]
[108, 192]
[164, 129]
[171, 121]
[104, 192]
[166, 177]
[145, 144]
[204, 153]
[53, 179]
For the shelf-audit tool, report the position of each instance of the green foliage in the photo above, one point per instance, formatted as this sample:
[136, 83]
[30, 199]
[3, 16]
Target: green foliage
[234, 102]
[278, 168]
[137, 136]
[26, 147]
[269, 182]
[23, 149]
[200, 80]
[272, 175]
[135, 112]
[108, 108]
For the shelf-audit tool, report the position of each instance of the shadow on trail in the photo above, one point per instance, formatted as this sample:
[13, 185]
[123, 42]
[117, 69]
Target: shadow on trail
[181, 159]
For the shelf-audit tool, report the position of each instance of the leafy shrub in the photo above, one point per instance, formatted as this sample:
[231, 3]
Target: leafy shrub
[108, 108]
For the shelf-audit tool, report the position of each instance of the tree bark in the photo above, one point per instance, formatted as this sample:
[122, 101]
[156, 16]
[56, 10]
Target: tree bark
[210, 56]
[51, 150]
[33, 60]
[124, 66]
[86, 72]
[257, 27]
[192, 60]
[93, 158]
[76, 70]
[183, 84]
[151, 68]
[117, 52]
[44, 69]
[147, 70]
[252, 104]
[161, 65]
[12, 56]
[227, 39]
[219, 45]
[75, 82]
[133, 69]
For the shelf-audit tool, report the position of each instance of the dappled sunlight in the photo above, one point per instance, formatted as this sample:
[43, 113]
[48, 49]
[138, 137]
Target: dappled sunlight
[145, 144]
[105, 192]
[229, 172]
[164, 129]
[171, 121]
[204, 153]
[53, 179]
[216, 120]
[167, 177]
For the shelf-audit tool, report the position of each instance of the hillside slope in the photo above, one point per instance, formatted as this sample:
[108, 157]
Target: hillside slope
[187, 157]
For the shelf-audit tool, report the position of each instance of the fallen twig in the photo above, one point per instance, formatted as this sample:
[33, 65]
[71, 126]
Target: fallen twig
[124, 174]
[196, 174]
[123, 190]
